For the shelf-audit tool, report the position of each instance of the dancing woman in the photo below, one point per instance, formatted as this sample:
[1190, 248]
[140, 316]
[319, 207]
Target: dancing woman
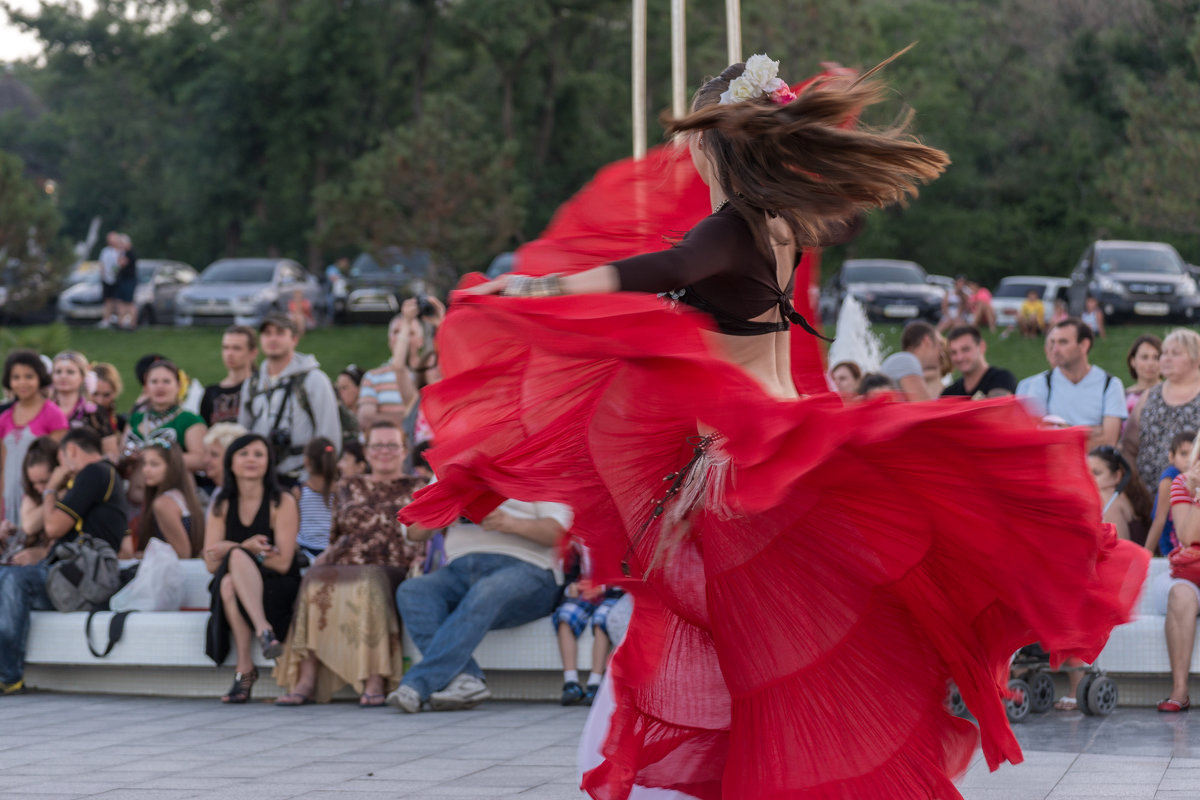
[807, 576]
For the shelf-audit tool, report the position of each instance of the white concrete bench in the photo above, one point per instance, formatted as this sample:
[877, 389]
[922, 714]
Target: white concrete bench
[163, 653]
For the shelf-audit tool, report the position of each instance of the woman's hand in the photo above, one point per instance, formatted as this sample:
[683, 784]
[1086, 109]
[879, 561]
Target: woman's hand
[491, 287]
[258, 545]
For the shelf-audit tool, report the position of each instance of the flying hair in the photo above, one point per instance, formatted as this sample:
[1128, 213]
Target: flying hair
[811, 162]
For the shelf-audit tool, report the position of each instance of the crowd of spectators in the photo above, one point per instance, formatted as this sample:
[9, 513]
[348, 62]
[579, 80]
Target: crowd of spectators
[284, 480]
[1142, 439]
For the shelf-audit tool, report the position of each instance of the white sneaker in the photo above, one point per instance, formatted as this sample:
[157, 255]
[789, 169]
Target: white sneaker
[104, 324]
[406, 699]
[465, 691]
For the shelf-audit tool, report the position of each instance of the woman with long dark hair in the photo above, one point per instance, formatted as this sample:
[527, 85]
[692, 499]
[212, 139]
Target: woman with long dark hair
[788, 557]
[250, 547]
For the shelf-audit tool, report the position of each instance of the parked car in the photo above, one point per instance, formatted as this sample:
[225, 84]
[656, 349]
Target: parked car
[1135, 279]
[889, 290]
[501, 265]
[1011, 292]
[242, 291]
[374, 292]
[159, 282]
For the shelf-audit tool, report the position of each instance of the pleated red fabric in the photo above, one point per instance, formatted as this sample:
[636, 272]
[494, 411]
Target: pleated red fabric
[821, 572]
[834, 569]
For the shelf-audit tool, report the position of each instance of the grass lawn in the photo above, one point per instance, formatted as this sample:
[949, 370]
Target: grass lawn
[1025, 357]
[196, 350]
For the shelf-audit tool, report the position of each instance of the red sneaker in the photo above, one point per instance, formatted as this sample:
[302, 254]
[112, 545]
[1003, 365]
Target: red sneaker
[1174, 706]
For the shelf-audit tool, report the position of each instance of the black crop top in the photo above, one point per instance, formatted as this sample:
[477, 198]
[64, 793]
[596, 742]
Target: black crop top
[716, 268]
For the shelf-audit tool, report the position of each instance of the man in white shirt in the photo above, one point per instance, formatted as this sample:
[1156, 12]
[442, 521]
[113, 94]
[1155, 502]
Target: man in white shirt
[1073, 389]
[499, 574]
[110, 264]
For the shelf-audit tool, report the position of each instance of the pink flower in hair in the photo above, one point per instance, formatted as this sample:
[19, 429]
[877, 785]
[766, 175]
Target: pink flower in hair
[783, 96]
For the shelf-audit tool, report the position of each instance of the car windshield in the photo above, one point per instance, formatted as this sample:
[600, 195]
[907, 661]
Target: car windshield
[1116, 259]
[882, 273]
[238, 272]
[1018, 289]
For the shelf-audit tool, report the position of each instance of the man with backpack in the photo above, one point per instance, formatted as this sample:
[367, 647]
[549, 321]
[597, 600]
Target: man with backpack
[83, 496]
[289, 400]
[1075, 391]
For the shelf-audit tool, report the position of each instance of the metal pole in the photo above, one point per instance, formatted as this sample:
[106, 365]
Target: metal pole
[733, 29]
[678, 57]
[639, 78]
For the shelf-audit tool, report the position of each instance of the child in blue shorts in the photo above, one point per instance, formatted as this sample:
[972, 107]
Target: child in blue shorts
[1161, 540]
[582, 603]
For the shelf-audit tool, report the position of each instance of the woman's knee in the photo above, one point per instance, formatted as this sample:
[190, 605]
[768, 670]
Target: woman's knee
[228, 592]
[1181, 601]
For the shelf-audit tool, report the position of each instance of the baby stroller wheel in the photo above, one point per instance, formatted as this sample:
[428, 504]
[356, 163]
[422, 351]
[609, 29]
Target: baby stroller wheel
[1041, 690]
[1017, 707]
[954, 702]
[1101, 696]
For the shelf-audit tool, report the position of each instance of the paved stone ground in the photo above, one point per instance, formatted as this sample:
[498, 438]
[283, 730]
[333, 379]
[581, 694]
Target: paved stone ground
[74, 746]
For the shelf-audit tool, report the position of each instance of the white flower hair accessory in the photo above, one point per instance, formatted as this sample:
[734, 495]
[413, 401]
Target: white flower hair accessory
[758, 79]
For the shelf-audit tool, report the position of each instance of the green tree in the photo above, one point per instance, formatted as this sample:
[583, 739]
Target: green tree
[438, 185]
[29, 225]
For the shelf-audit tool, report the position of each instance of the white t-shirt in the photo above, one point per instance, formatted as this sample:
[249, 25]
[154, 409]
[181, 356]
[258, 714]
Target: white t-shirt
[1083, 403]
[464, 538]
[110, 264]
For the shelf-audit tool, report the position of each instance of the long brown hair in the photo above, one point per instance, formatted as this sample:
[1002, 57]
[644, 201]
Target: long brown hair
[811, 162]
[177, 477]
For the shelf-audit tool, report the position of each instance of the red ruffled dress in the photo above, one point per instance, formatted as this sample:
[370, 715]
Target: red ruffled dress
[808, 577]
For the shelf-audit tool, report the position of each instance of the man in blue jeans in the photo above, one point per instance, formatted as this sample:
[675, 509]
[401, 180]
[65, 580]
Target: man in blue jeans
[499, 574]
[95, 504]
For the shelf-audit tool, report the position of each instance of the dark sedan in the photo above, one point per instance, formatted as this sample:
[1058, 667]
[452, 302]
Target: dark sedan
[888, 290]
[374, 292]
[1135, 279]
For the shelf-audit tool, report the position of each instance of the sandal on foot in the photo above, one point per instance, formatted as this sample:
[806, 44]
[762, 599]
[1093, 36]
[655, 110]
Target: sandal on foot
[369, 700]
[271, 647]
[293, 699]
[1066, 704]
[243, 682]
[1175, 706]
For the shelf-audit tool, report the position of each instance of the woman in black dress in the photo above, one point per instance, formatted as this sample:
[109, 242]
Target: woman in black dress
[250, 547]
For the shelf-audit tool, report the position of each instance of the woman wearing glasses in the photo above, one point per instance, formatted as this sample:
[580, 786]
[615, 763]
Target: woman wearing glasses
[345, 629]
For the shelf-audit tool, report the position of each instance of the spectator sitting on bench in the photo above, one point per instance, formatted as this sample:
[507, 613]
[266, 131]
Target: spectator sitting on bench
[40, 461]
[94, 503]
[170, 509]
[1182, 596]
[582, 602]
[255, 570]
[1161, 539]
[345, 629]
[498, 574]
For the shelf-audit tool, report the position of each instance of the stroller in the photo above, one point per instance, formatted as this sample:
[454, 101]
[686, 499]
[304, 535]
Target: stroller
[1032, 686]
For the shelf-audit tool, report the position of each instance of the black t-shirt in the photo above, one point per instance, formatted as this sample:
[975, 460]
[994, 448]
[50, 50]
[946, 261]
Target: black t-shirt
[128, 272]
[994, 378]
[96, 501]
[220, 404]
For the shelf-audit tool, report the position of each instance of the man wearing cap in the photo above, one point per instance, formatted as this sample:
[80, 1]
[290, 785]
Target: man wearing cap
[289, 400]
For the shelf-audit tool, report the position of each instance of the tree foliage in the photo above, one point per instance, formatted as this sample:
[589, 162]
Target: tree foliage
[29, 225]
[310, 128]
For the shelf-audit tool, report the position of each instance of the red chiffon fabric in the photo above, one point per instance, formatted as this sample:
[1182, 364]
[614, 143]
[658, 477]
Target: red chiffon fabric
[794, 634]
[798, 640]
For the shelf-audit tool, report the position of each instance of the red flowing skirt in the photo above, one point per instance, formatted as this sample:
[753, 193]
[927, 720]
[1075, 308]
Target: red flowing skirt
[823, 572]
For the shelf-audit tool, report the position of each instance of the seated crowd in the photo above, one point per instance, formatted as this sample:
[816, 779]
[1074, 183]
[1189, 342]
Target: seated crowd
[286, 485]
[1142, 440]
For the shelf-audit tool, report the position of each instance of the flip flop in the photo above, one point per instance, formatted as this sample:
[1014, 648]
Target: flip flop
[1174, 706]
[1066, 704]
[371, 700]
[293, 699]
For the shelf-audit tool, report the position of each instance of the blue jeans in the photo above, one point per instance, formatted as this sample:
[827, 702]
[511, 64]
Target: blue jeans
[22, 589]
[449, 612]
